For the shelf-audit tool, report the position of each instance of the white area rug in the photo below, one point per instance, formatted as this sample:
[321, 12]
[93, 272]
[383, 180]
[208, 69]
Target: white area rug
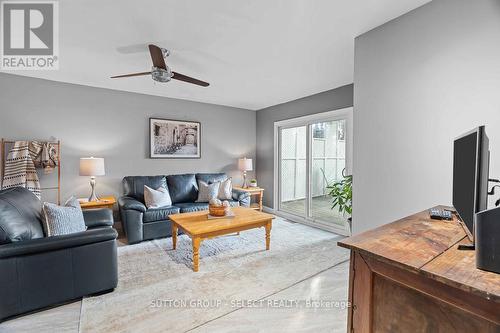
[232, 268]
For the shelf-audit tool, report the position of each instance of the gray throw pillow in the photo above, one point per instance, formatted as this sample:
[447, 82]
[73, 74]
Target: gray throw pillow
[63, 220]
[206, 192]
[226, 189]
[156, 198]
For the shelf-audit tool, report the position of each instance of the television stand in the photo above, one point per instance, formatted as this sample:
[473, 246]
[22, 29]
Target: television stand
[408, 276]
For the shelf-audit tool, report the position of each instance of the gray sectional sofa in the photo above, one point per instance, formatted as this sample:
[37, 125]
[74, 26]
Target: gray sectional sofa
[140, 223]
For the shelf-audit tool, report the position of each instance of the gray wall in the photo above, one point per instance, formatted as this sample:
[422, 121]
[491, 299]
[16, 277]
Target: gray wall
[326, 101]
[420, 81]
[115, 125]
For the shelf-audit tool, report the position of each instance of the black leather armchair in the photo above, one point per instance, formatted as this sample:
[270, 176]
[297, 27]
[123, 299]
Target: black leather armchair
[38, 271]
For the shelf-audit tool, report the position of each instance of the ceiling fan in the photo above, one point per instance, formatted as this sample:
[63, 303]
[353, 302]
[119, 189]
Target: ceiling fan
[160, 71]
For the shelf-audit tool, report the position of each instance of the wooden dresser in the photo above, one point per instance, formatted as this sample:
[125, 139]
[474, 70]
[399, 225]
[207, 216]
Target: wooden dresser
[409, 276]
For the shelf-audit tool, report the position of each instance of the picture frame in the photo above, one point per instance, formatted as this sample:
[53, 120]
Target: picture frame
[174, 139]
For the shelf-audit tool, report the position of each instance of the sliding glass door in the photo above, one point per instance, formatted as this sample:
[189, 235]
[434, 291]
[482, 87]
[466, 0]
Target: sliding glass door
[312, 153]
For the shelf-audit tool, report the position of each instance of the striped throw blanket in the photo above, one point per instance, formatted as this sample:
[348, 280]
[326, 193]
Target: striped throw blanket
[21, 163]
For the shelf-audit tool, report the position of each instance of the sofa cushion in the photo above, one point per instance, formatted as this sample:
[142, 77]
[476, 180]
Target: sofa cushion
[210, 178]
[159, 214]
[20, 215]
[182, 188]
[207, 192]
[133, 186]
[226, 189]
[188, 207]
[156, 198]
[63, 220]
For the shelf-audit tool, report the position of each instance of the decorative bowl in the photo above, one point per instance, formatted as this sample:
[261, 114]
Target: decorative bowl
[217, 210]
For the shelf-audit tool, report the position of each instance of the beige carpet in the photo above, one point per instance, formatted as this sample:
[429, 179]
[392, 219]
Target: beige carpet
[232, 268]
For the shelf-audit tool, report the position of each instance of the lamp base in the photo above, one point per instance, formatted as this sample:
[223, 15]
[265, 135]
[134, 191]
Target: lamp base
[245, 185]
[93, 197]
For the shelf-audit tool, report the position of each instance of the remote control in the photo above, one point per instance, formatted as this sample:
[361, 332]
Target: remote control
[436, 214]
[447, 215]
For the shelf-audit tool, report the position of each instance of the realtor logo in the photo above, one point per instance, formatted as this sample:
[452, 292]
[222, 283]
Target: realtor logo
[29, 35]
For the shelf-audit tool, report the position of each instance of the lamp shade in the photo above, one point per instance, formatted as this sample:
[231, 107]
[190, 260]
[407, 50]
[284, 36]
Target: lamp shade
[92, 166]
[245, 164]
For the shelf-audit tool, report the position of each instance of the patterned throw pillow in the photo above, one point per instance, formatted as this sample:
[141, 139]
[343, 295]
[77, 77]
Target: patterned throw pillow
[206, 192]
[63, 220]
[226, 189]
[156, 198]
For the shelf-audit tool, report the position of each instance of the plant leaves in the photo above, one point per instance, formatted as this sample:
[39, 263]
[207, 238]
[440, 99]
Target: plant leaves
[341, 193]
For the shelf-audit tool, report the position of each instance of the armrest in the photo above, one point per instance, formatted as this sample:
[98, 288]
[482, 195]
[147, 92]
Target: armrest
[99, 217]
[131, 203]
[54, 243]
[242, 196]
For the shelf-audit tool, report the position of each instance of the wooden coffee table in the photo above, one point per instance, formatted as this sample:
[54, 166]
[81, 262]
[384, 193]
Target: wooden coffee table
[197, 226]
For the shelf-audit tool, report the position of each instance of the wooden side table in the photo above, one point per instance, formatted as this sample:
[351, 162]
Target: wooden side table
[254, 191]
[104, 202]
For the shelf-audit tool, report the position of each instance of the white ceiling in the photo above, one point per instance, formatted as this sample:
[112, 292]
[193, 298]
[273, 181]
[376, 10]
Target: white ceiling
[254, 53]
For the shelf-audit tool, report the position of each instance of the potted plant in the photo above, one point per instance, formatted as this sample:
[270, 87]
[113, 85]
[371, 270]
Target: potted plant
[341, 192]
[253, 183]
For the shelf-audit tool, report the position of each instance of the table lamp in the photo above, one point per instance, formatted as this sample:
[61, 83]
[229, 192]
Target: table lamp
[92, 166]
[245, 164]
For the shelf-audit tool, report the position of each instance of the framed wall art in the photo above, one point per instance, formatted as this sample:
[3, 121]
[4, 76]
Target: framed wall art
[174, 138]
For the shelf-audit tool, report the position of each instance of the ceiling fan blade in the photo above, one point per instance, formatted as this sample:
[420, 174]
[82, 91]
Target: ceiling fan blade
[129, 75]
[185, 78]
[157, 56]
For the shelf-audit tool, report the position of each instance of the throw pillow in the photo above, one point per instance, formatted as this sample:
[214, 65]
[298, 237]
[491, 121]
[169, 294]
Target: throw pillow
[63, 220]
[156, 198]
[226, 189]
[206, 192]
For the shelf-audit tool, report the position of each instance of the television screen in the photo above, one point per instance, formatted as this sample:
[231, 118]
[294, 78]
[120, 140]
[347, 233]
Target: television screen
[470, 176]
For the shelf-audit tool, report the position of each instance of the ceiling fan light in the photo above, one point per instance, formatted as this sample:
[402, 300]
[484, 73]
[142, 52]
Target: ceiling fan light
[161, 75]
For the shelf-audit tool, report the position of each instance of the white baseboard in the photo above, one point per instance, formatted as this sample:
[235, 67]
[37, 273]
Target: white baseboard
[298, 219]
[268, 210]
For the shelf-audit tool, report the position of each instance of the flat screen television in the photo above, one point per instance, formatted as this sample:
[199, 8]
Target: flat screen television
[470, 176]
